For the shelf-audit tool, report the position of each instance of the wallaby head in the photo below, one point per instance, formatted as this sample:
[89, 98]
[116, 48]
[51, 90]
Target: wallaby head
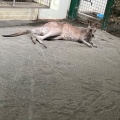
[92, 27]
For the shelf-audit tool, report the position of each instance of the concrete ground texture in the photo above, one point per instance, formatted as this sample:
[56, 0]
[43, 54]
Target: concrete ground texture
[66, 81]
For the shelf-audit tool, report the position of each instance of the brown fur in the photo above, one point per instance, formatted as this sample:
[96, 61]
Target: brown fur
[58, 30]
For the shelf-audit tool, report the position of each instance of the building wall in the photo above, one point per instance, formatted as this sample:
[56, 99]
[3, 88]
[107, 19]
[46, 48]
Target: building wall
[58, 10]
[18, 14]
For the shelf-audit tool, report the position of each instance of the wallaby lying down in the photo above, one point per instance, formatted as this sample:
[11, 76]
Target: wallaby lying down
[57, 30]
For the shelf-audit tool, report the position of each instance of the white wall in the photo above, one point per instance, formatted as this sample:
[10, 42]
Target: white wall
[58, 10]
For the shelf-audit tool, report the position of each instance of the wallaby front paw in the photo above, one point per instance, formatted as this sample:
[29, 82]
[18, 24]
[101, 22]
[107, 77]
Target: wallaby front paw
[95, 46]
[90, 46]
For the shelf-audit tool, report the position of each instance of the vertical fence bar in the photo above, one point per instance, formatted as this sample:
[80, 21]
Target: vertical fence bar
[74, 5]
[13, 2]
[107, 13]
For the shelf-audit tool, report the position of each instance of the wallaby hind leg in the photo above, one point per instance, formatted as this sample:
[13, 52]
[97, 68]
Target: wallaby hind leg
[41, 42]
[41, 38]
[33, 39]
[37, 38]
[50, 34]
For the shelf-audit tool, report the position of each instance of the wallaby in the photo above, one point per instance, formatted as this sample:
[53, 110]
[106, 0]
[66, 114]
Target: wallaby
[60, 31]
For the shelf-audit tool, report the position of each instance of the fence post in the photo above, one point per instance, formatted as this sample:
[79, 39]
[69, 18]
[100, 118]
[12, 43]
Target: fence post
[74, 5]
[107, 13]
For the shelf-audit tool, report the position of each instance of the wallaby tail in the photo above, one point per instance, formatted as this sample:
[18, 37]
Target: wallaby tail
[17, 34]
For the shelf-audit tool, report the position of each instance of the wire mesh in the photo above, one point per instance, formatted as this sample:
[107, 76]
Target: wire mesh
[25, 3]
[92, 7]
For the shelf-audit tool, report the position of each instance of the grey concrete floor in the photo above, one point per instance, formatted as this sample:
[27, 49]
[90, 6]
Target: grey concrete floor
[66, 81]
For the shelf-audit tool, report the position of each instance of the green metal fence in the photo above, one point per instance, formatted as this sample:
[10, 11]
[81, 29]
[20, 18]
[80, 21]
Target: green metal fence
[93, 9]
[73, 9]
[107, 13]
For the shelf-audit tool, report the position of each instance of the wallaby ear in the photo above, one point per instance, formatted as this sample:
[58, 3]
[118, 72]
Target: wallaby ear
[89, 23]
[96, 24]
